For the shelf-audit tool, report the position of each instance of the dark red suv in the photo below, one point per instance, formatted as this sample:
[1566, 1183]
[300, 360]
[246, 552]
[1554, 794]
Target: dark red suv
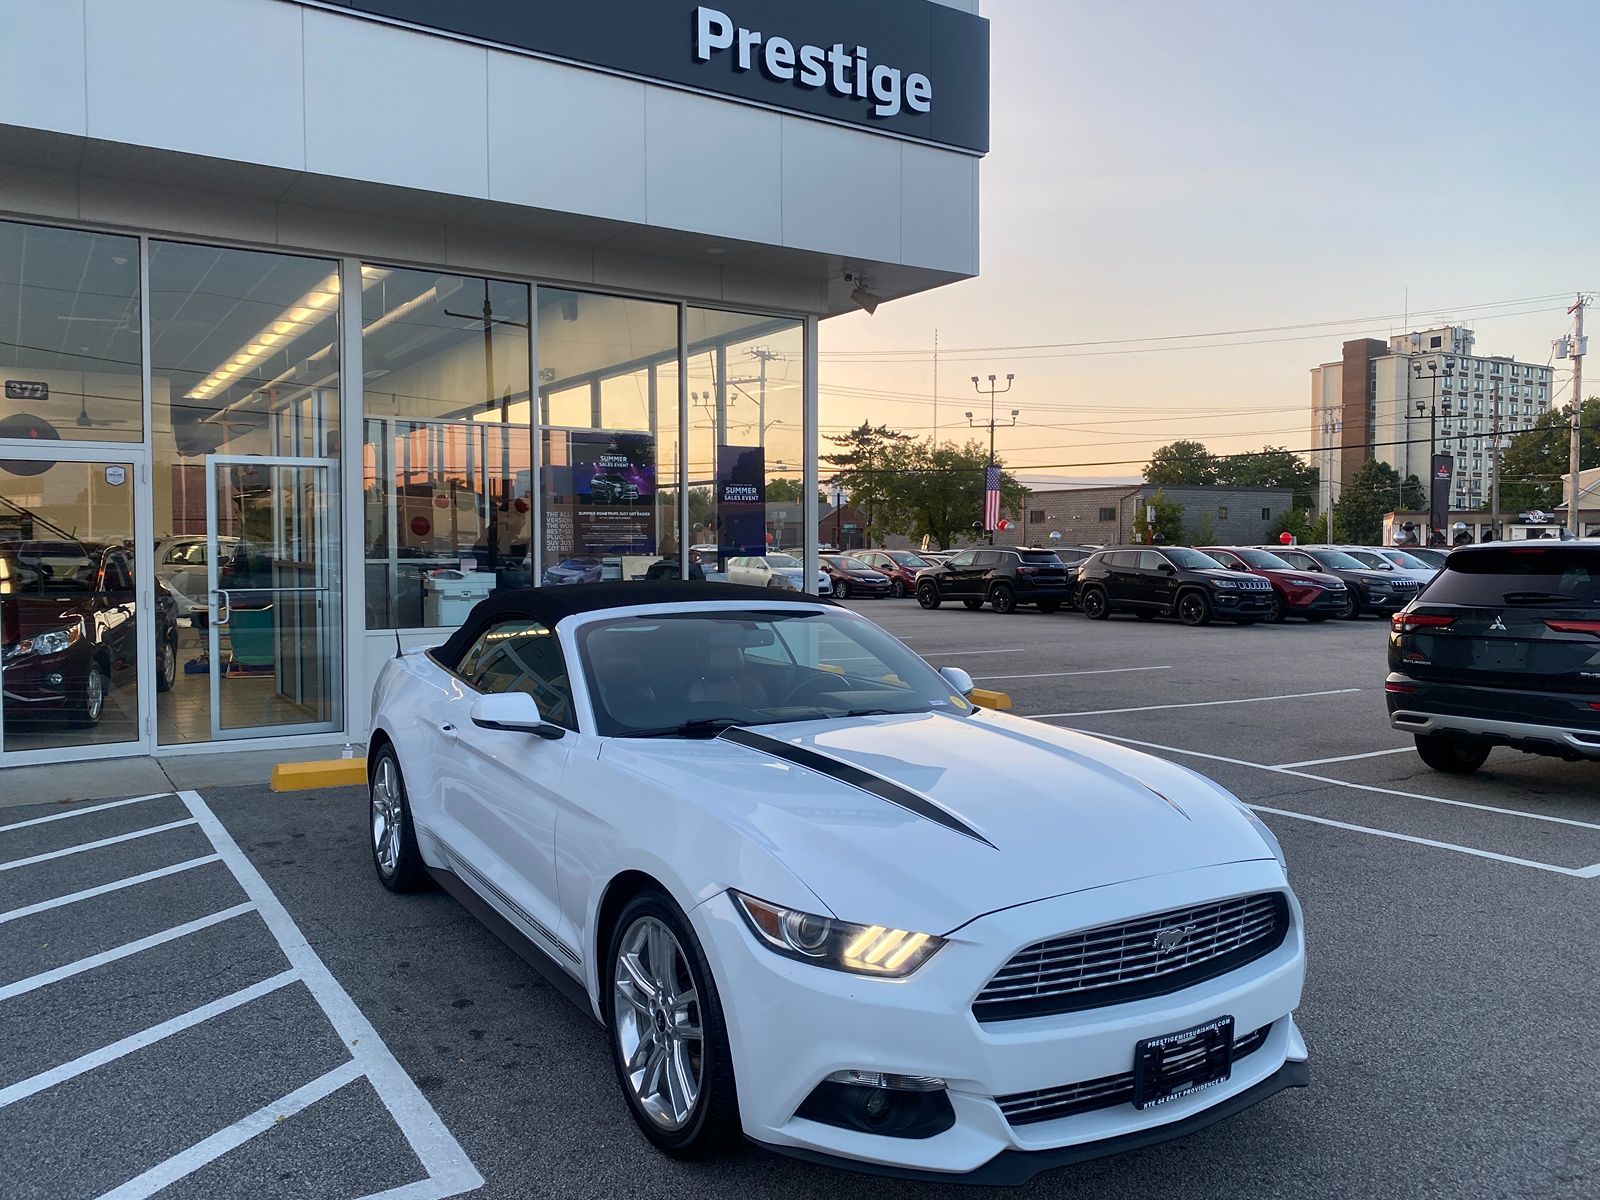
[1314, 595]
[901, 566]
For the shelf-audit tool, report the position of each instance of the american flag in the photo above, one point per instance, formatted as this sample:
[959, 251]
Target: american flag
[991, 498]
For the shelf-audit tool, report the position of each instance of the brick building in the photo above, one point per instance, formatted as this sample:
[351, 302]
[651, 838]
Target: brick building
[1106, 515]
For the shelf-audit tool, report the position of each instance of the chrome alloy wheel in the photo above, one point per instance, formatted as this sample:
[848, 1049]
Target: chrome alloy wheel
[657, 1023]
[386, 816]
[94, 694]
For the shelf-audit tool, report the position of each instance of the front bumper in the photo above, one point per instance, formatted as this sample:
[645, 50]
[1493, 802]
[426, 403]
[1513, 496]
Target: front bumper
[791, 1025]
[1320, 601]
[1388, 602]
[1241, 603]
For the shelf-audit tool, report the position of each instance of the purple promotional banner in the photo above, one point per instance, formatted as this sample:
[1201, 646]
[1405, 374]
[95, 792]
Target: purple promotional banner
[614, 485]
[741, 501]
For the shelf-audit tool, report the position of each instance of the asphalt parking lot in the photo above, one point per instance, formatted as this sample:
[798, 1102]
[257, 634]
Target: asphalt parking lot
[256, 1016]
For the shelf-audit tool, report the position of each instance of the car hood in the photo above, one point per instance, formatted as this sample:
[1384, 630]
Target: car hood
[1227, 573]
[1325, 578]
[1050, 812]
[26, 616]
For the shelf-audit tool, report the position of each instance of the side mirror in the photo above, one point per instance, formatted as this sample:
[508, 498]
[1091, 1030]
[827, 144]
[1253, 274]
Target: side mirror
[1168, 569]
[514, 712]
[958, 679]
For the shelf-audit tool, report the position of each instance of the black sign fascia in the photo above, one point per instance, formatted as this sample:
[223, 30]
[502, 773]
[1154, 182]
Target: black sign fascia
[656, 39]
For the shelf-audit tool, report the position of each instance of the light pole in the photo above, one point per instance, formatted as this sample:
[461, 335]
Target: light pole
[1431, 410]
[992, 391]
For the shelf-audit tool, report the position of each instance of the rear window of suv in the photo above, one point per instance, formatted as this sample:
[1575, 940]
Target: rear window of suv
[1558, 576]
[1043, 558]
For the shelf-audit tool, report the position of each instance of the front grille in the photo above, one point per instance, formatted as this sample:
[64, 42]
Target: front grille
[1151, 956]
[1255, 585]
[1049, 1104]
[1404, 585]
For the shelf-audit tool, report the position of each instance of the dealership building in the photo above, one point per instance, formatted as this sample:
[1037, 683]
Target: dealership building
[321, 320]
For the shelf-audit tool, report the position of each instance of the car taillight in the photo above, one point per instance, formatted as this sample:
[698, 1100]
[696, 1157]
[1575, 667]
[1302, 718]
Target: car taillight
[1405, 622]
[1400, 688]
[1027, 570]
[1591, 627]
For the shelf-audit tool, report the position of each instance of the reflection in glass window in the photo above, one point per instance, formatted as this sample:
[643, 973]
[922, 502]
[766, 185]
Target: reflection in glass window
[448, 454]
[69, 335]
[746, 432]
[608, 394]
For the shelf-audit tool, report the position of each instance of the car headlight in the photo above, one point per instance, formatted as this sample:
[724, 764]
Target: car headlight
[1267, 836]
[53, 642]
[1224, 583]
[841, 945]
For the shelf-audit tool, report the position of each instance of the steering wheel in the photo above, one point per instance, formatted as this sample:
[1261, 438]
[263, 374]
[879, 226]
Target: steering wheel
[826, 682]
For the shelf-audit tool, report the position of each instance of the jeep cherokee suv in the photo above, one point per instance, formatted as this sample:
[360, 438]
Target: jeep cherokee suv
[1004, 578]
[1157, 581]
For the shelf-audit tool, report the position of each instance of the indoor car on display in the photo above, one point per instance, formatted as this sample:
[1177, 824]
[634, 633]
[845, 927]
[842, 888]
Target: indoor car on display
[819, 897]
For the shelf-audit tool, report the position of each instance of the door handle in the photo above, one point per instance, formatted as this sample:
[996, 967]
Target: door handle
[449, 731]
[223, 607]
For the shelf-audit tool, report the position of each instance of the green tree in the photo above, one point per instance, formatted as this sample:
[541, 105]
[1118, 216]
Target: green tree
[1168, 522]
[1413, 496]
[1181, 464]
[790, 491]
[1203, 532]
[1371, 492]
[1271, 467]
[859, 467]
[937, 491]
[1534, 462]
[1305, 525]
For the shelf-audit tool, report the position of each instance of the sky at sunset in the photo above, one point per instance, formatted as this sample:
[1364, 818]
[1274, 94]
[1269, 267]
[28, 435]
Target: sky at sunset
[1308, 172]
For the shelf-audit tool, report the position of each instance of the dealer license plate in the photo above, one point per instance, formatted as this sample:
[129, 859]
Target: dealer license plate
[1175, 1065]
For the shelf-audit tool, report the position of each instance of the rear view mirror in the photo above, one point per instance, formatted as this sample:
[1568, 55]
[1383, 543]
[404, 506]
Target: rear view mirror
[958, 679]
[514, 712]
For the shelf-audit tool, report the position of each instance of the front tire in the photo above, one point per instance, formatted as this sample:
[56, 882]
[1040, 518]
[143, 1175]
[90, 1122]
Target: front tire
[928, 595]
[93, 705]
[1194, 608]
[1453, 756]
[1095, 605]
[1279, 612]
[393, 834]
[898, 589]
[669, 1041]
[1003, 598]
[1352, 607]
[167, 664]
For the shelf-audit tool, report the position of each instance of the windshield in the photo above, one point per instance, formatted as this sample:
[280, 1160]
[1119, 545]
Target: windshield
[1264, 560]
[1191, 560]
[910, 561]
[48, 570]
[1409, 561]
[783, 562]
[1336, 559]
[1562, 576]
[1372, 559]
[691, 674]
[856, 567]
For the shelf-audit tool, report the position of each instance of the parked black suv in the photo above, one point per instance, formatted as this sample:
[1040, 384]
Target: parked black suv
[1503, 649]
[1155, 581]
[1371, 591]
[1003, 577]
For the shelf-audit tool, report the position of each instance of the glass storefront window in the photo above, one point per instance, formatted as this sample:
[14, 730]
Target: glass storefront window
[69, 335]
[245, 388]
[746, 436]
[448, 456]
[608, 394]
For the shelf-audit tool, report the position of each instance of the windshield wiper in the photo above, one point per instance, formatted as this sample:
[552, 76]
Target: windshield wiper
[703, 727]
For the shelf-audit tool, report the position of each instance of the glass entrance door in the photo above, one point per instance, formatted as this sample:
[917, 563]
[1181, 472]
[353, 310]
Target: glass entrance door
[275, 633]
[75, 660]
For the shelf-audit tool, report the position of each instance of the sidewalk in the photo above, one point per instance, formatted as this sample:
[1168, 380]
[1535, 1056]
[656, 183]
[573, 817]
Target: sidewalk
[112, 779]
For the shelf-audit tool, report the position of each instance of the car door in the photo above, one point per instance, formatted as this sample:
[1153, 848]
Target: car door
[116, 604]
[958, 580]
[1157, 584]
[499, 790]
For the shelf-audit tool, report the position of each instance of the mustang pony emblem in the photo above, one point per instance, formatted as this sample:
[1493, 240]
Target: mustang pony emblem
[1169, 939]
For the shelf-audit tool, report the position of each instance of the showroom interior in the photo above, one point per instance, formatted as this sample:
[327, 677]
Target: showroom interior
[275, 406]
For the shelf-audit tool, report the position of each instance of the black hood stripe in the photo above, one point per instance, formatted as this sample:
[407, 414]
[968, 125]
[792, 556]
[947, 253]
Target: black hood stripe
[866, 781]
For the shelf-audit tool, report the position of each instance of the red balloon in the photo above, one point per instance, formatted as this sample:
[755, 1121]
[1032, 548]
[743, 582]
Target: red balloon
[520, 504]
[1286, 537]
[421, 526]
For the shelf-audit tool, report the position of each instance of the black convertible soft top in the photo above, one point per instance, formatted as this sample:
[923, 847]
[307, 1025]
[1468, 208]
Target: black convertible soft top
[551, 605]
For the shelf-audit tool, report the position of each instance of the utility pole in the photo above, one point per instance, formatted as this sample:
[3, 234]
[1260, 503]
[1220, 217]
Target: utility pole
[992, 391]
[936, 387]
[1331, 426]
[1494, 468]
[1574, 488]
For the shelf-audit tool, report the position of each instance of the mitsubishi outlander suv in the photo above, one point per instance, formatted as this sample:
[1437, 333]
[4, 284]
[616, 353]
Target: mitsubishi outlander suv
[1503, 649]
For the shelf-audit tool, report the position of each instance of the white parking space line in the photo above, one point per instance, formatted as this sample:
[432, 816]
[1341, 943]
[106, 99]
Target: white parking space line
[78, 812]
[450, 1171]
[1063, 674]
[1107, 712]
[84, 847]
[187, 1162]
[1590, 872]
[145, 1037]
[16, 914]
[45, 978]
[1322, 762]
[967, 653]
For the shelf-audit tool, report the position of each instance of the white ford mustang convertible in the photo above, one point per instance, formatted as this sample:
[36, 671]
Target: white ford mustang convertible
[819, 898]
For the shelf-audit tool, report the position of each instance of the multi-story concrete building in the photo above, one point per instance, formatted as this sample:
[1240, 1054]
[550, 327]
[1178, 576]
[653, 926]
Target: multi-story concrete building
[1394, 401]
